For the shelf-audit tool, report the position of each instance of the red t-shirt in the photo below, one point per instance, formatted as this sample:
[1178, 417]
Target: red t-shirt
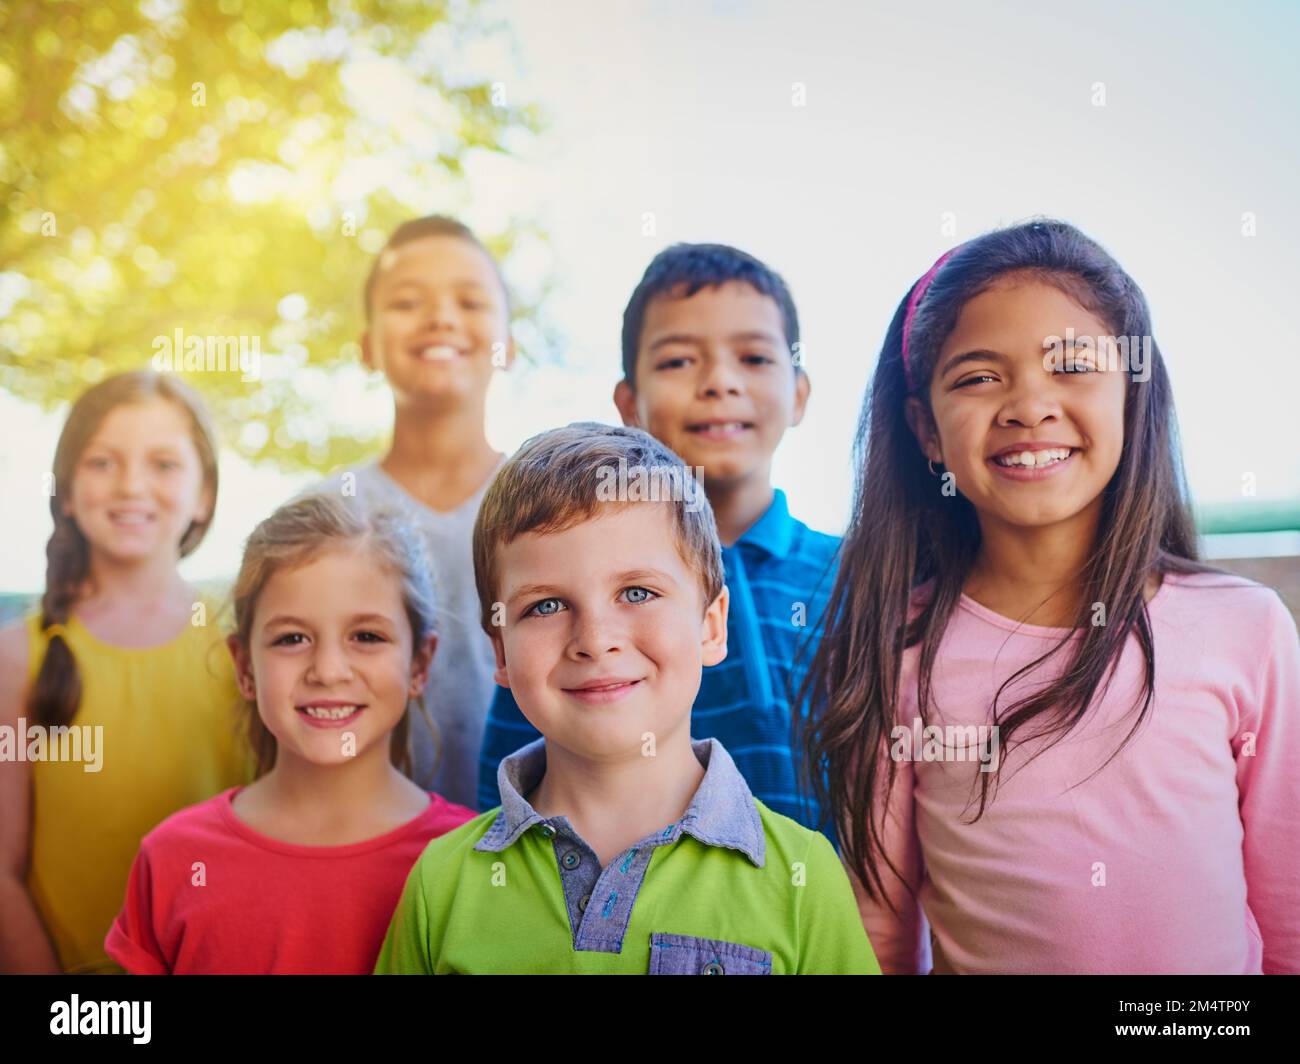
[209, 895]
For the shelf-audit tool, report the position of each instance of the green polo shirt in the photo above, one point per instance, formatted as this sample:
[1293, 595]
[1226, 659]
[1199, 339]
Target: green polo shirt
[732, 888]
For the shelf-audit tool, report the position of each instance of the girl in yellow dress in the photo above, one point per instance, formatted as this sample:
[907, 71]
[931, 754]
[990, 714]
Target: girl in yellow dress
[117, 697]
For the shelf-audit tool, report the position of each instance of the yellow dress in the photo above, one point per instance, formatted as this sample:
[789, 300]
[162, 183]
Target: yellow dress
[169, 736]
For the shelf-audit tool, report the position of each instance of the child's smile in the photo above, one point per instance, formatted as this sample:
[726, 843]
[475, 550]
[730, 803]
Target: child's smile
[330, 713]
[439, 352]
[440, 319]
[606, 631]
[718, 429]
[715, 380]
[1028, 444]
[603, 690]
[138, 484]
[1032, 460]
[331, 649]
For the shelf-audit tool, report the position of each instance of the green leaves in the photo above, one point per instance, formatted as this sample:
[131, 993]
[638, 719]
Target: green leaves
[169, 165]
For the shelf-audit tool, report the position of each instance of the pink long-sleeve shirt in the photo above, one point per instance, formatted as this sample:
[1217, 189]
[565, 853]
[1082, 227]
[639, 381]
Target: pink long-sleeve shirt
[1182, 855]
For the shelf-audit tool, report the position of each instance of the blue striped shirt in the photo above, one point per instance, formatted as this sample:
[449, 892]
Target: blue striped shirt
[779, 574]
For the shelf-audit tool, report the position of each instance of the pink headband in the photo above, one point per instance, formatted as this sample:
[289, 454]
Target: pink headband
[918, 291]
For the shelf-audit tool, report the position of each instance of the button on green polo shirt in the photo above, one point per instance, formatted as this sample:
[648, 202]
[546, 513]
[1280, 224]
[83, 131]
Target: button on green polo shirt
[732, 888]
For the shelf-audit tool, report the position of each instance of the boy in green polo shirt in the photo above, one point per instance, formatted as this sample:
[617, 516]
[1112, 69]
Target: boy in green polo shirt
[620, 845]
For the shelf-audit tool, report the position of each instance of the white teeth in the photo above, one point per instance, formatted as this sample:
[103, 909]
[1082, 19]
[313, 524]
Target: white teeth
[1035, 459]
[439, 353]
[130, 519]
[336, 713]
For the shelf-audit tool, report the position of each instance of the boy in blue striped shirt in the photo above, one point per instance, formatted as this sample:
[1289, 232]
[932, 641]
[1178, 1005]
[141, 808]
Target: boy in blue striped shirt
[711, 368]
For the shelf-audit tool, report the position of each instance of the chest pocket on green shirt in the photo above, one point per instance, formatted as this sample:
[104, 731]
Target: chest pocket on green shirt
[688, 955]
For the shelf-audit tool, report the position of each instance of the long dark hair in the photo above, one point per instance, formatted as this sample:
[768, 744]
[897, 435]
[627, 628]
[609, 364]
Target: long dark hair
[903, 533]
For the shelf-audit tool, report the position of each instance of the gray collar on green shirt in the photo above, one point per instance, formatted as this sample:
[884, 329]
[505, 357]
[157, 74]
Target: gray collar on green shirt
[722, 812]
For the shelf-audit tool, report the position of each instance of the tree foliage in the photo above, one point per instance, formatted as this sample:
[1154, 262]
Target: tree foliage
[228, 169]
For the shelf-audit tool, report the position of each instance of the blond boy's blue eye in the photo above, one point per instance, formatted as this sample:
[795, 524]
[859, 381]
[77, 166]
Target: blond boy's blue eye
[541, 608]
[644, 595]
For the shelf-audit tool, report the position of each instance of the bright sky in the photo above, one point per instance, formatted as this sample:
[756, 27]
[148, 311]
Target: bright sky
[978, 115]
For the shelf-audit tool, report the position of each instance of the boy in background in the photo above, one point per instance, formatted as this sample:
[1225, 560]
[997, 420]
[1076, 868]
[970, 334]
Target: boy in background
[437, 328]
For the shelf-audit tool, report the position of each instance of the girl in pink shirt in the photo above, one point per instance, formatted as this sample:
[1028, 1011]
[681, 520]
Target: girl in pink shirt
[300, 871]
[1047, 731]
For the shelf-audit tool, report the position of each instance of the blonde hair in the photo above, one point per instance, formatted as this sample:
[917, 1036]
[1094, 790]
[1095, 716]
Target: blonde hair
[300, 530]
[554, 482]
[56, 692]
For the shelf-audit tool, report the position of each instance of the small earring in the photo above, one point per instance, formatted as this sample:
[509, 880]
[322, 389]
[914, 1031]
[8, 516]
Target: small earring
[930, 463]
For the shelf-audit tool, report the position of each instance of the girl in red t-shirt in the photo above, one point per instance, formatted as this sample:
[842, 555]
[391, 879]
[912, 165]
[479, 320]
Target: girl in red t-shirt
[300, 871]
